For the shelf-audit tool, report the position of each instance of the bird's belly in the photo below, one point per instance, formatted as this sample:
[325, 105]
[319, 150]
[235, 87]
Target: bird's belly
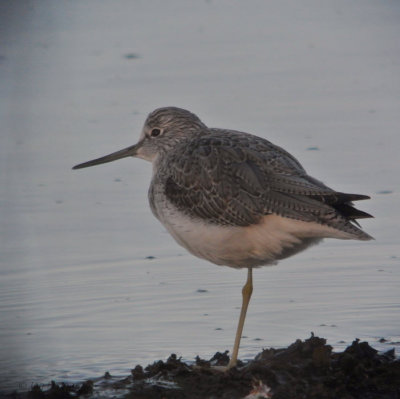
[264, 243]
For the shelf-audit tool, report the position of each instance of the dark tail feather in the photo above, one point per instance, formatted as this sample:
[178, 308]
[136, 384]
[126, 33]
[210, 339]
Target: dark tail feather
[348, 210]
[343, 197]
[333, 198]
[342, 202]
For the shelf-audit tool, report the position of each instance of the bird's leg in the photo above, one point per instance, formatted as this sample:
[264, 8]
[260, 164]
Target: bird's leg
[247, 290]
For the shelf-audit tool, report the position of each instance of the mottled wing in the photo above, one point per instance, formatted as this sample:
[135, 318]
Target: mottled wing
[235, 179]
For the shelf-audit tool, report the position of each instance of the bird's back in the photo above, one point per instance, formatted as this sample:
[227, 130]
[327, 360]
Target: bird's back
[235, 179]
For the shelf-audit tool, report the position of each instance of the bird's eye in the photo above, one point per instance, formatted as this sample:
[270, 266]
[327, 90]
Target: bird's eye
[155, 132]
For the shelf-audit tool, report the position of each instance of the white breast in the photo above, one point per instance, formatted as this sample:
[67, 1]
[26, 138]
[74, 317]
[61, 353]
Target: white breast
[274, 238]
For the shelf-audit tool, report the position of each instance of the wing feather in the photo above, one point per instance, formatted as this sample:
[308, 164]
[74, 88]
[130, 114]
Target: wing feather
[233, 178]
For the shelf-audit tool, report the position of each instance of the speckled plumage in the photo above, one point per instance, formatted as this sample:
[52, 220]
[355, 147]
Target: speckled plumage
[257, 199]
[235, 199]
[232, 178]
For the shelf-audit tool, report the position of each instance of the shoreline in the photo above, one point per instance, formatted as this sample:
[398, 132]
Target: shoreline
[305, 369]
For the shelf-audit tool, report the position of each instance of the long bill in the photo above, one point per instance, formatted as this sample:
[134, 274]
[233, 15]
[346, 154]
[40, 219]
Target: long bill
[126, 152]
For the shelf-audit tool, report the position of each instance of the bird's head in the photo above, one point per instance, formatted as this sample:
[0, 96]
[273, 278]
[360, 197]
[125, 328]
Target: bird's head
[163, 129]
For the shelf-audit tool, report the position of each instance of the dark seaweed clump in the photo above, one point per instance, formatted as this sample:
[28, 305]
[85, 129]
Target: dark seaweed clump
[305, 370]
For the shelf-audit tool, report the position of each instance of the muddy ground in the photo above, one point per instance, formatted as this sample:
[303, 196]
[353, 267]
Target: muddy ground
[306, 369]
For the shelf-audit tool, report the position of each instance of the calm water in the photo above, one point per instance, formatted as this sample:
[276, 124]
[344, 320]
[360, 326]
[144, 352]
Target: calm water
[89, 280]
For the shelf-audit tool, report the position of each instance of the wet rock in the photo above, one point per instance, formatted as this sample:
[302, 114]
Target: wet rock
[138, 373]
[220, 359]
[107, 375]
[86, 388]
[62, 391]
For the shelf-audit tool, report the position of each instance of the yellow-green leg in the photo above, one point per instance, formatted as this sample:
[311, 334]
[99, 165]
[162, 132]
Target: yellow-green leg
[247, 290]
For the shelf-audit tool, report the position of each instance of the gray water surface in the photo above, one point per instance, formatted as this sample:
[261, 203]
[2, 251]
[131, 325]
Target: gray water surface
[89, 280]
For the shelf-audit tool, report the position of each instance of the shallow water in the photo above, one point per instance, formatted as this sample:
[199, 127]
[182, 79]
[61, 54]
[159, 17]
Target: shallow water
[79, 294]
